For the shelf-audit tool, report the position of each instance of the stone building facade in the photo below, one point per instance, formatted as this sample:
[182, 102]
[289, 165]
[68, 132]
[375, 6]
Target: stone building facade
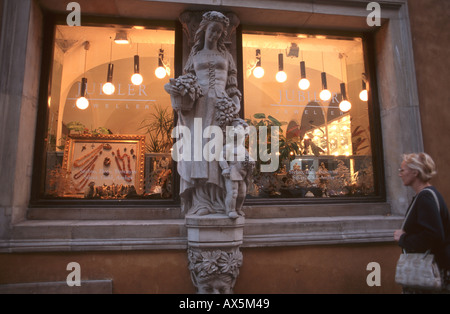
[288, 247]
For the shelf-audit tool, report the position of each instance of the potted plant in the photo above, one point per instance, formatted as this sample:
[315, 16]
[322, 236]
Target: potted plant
[288, 148]
[159, 130]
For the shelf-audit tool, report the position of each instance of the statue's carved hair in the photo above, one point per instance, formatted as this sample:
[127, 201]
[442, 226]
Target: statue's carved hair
[216, 17]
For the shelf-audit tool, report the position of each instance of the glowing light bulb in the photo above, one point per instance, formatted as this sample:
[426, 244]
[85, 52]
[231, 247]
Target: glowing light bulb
[136, 79]
[363, 95]
[303, 84]
[281, 76]
[82, 103]
[258, 72]
[160, 72]
[325, 95]
[108, 88]
[345, 105]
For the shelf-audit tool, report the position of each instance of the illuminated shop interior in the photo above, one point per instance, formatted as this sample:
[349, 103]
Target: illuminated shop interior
[121, 73]
[322, 135]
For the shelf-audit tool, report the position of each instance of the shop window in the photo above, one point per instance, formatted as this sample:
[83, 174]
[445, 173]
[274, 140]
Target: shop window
[116, 144]
[325, 148]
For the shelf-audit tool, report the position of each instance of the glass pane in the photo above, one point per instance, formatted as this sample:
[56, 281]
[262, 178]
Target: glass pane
[324, 148]
[96, 152]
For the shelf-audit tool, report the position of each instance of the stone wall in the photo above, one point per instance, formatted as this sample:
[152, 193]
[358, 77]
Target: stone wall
[430, 28]
[284, 270]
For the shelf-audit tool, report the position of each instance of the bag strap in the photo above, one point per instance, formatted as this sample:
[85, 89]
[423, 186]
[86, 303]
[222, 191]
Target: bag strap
[408, 211]
[436, 199]
[414, 201]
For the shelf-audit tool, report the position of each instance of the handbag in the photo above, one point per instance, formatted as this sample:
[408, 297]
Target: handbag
[418, 270]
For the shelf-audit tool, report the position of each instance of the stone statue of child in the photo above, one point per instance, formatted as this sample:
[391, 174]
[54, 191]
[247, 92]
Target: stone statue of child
[237, 168]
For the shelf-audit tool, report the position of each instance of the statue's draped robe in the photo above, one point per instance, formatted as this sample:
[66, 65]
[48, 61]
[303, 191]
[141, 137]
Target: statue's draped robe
[201, 182]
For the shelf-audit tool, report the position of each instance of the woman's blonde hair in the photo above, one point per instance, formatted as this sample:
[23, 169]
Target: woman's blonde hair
[421, 162]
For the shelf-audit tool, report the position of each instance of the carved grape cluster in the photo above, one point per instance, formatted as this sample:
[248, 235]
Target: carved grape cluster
[188, 85]
[226, 109]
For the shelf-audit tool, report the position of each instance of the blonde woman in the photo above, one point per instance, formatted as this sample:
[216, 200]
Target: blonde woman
[427, 226]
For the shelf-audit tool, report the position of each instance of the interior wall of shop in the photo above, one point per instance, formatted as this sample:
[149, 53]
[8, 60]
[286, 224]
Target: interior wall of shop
[301, 269]
[286, 270]
[430, 29]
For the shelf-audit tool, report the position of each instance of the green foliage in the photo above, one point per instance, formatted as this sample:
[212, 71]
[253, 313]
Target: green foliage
[286, 146]
[82, 129]
[358, 142]
[77, 127]
[159, 130]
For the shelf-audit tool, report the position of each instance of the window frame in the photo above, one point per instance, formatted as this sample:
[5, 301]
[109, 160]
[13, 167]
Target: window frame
[37, 199]
[373, 111]
[53, 19]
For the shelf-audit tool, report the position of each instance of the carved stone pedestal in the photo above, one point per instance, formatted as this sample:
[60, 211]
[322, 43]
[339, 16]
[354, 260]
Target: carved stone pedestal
[213, 252]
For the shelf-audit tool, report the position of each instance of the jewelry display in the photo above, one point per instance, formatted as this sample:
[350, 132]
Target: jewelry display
[107, 162]
[89, 162]
[86, 158]
[113, 191]
[85, 180]
[125, 174]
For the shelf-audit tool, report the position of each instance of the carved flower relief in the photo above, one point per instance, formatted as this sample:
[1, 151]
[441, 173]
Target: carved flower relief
[204, 263]
[229, 263]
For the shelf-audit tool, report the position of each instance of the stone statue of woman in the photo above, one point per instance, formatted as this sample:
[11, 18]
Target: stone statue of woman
[201, 181]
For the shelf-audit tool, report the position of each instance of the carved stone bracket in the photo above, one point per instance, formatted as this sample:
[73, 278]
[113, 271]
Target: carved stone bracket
[214, 270]
[213, 252]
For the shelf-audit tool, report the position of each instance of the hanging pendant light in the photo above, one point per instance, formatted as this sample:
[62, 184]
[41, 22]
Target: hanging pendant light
[281, 75]
[258, 71]
[109, 88]
[344, 105]
[82, 102]
[160, 71]
[136, 78]
[325, 94]
[363, 95]
[121, 38]
[304, 83]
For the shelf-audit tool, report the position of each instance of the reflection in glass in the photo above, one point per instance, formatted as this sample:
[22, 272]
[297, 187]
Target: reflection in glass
[119, 109]
[324, 150]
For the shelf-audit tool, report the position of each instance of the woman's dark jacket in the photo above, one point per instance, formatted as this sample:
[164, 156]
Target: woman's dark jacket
[427, 229]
